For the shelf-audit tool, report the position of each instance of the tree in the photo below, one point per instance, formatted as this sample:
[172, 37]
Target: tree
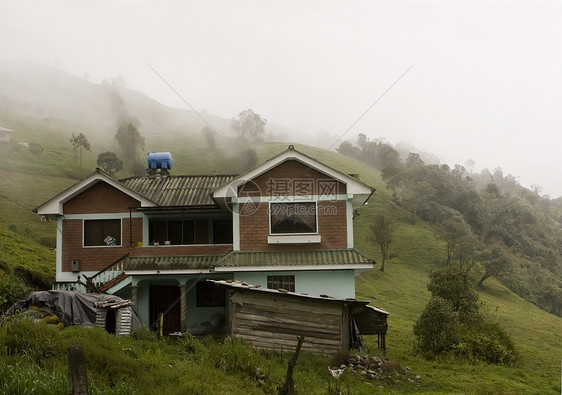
[209, 136]
[453, 323]
[414, 159]
[382, 234]
[495, 262]
[109, 162]
[250, 127]
[437, 328]
[131, 143]
[452, 231]
[454, 285]
[78, 143]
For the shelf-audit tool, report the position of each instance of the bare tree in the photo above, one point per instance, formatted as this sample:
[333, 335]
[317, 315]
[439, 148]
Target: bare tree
[382, 235]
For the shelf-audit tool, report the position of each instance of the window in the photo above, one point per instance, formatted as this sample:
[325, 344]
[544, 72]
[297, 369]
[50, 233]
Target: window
[281, 282]
[192, 231]
[210, 295]
[97, 231]
[222, 231]
[293, 218]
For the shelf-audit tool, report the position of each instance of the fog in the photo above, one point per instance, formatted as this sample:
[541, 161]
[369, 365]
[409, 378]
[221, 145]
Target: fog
[485, 83]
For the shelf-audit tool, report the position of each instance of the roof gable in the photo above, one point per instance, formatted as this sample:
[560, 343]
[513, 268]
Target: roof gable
[55, 205]
[353, 186]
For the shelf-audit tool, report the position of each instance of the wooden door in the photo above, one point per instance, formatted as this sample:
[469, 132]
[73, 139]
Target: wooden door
[165, 299]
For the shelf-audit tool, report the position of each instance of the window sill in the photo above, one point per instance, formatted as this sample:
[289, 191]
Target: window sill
[294, 239]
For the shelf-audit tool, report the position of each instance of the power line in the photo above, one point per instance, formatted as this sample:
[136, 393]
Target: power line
[189, 105]
[16, 203]
[372, 105]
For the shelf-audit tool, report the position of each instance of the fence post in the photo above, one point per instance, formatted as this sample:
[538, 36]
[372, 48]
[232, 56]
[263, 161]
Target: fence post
[77, 377]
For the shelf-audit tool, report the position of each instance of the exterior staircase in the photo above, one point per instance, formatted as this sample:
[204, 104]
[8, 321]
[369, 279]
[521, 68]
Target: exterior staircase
[100, 282]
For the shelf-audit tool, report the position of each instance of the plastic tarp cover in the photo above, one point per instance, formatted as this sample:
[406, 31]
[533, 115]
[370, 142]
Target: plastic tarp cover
[73, 308]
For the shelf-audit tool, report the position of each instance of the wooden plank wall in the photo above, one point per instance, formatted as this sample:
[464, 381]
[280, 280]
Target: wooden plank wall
[273, 322]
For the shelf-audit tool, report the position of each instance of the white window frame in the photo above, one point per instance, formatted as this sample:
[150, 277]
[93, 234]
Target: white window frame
[102, 245]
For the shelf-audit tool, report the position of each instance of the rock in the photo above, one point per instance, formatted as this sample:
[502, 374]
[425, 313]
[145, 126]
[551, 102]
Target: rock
[370, 376]
[418, 377]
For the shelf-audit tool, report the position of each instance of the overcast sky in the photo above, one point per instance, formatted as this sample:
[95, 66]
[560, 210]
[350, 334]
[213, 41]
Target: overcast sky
[486, 82]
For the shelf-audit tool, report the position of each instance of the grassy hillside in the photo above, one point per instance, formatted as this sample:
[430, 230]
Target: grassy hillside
[30, 178]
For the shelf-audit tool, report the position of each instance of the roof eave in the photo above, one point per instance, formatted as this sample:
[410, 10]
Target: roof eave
[354, 186]
[54, 206]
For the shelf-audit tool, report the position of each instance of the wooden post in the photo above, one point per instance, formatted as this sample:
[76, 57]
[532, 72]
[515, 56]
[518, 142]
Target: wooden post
[183, 307]
[289, 386]
[77, 378]
[161, 325]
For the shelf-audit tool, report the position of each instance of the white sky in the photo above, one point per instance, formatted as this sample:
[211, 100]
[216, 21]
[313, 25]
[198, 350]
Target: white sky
[486, 84]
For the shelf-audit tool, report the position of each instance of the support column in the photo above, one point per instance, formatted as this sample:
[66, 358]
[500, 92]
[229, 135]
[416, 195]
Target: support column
[135, 295]
[183, 306]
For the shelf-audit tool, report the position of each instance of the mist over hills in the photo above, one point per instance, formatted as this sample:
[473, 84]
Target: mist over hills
[47, 93]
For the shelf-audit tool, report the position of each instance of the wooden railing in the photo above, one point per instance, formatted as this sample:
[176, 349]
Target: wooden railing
[99, 282]
[110, 273]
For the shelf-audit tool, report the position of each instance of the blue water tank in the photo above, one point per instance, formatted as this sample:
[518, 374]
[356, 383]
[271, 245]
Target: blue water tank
[160, 160]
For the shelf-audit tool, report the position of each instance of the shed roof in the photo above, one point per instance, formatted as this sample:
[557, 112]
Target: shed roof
[239, 285]
[5, 130]
[282, 260]
[174, 191]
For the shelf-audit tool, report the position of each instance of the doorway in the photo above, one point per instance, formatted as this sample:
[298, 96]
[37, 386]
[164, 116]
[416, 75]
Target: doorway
[165, 299]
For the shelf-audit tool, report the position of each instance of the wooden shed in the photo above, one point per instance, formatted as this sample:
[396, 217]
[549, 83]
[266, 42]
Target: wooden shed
[272, 319]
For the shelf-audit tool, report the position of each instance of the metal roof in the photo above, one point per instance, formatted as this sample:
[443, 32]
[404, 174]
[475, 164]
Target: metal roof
[294, 258]
[177, 191]
[177, 262]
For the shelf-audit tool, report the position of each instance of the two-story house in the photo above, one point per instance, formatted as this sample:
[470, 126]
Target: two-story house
[286, 224]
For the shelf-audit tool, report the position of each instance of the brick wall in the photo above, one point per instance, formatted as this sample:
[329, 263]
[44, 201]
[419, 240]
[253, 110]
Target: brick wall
[100, 198]
[269, 183]
[95, 258]
[332, 226]
[98, 258]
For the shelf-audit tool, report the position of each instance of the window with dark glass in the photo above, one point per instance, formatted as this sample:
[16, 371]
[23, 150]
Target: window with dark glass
[293, 217]
[209, 294]
[185, 232]
[281, 282]
[222, 231]
[102, 232]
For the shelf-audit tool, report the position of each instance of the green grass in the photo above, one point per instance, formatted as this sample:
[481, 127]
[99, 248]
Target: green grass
[200, 366]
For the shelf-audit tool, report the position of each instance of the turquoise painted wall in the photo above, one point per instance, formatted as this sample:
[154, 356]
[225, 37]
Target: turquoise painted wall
[195, 315]
[336, 283]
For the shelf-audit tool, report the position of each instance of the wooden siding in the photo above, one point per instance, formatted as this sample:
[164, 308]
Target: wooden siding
[274, 322]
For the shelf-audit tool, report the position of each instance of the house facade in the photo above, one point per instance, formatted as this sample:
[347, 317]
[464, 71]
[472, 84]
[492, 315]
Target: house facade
[5, 134]
[286, 224]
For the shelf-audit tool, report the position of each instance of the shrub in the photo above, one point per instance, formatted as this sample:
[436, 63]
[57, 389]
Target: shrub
[486, 342]
[35, 340]
[11, 290]
[436, 330]
[454, 285]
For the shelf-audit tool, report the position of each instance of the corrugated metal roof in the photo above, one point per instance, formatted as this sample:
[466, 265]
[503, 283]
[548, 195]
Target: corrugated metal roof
[294, 258]
[176, 262]
[174, 191]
